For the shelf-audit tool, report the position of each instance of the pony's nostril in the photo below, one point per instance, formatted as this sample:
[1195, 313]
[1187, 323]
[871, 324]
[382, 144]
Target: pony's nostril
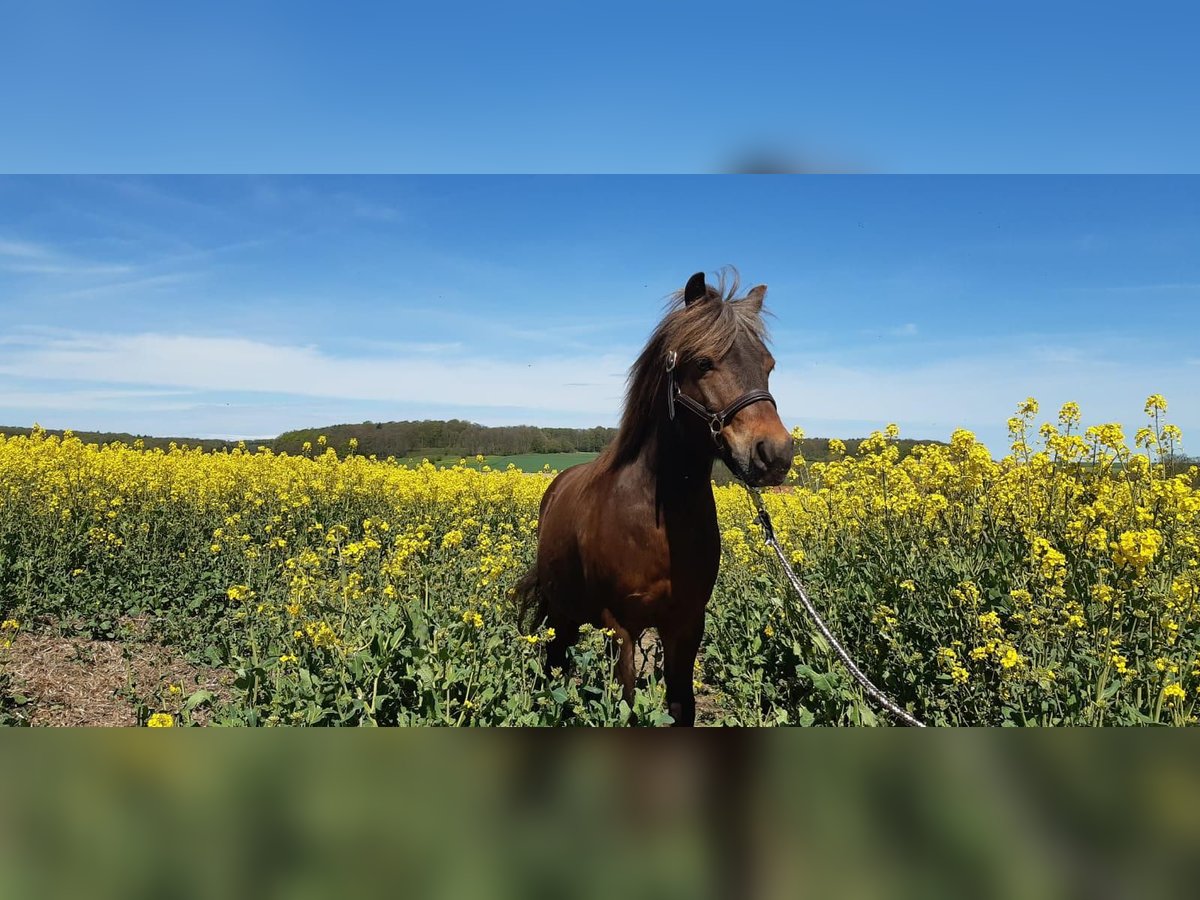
[761, 459]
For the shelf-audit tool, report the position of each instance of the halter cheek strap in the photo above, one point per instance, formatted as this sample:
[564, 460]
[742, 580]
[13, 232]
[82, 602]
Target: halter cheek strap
[716, 420]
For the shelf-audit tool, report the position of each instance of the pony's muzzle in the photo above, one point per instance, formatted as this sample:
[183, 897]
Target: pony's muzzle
[770, 460]
[759, 455]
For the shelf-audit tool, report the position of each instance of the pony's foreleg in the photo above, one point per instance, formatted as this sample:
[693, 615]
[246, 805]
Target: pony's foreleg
[624, 668]
[681, 643]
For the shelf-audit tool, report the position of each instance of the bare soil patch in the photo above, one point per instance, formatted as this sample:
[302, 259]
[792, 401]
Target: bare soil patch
[70, 681]
[647, 659]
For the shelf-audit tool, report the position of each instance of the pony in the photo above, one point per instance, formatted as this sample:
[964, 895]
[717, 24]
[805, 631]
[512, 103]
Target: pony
[629, 540]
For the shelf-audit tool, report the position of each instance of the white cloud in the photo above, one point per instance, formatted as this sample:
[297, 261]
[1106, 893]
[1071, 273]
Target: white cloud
[831, 397]
[238, 364]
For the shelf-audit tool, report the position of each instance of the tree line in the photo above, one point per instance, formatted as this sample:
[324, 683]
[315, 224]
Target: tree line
[447, 438]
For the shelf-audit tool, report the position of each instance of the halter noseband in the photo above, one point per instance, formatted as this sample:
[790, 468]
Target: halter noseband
[716, 420]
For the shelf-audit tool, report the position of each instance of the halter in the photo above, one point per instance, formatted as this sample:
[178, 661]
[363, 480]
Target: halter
[716, 420]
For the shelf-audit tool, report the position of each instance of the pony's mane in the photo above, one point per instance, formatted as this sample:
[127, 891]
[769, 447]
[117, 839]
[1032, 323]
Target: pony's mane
[707, 327]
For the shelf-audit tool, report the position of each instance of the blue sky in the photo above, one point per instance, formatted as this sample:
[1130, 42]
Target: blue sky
[301, 86]
[244, 306]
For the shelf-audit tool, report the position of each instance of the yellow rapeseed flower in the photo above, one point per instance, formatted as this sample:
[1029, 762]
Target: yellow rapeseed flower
[1155, 403]
[1137, 549]
[239, 592]
[1173, 692]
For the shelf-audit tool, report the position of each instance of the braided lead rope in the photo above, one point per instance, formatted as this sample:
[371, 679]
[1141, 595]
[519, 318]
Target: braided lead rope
[764, 521]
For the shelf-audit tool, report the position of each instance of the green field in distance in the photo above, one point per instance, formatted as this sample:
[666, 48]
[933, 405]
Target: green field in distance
[526, 462]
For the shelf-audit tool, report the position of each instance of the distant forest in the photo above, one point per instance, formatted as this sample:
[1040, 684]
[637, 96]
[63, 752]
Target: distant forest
[447, 438]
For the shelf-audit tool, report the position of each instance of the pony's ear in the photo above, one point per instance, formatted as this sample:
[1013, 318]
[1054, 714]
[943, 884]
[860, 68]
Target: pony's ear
[755, 297]
[695, 290]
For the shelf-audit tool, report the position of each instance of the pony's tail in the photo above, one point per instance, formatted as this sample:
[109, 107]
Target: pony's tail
[532, 607]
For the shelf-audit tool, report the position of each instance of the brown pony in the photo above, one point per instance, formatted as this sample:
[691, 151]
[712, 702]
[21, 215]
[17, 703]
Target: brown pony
[629, 540]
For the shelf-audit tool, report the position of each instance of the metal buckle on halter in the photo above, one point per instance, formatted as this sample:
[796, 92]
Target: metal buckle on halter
[672, 358]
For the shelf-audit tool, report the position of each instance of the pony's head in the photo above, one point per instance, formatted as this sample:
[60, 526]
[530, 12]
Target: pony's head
[706, 368]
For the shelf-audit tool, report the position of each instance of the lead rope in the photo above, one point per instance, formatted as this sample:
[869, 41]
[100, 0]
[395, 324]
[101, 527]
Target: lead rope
[764, 521]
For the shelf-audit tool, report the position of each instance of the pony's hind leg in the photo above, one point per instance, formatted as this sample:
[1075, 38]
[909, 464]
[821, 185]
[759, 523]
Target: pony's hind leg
[535, 611]
[556, 651]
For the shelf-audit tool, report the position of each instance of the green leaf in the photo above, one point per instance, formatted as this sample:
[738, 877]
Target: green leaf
[196, 699]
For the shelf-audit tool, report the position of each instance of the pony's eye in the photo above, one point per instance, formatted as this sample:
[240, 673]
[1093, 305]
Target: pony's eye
[704, 364]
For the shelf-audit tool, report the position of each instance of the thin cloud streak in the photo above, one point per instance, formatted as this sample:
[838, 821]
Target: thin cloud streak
[132, 284]
[1167, 286]
[22, 257]
[23, 249]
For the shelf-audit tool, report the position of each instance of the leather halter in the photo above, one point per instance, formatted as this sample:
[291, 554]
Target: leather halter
[716, 420]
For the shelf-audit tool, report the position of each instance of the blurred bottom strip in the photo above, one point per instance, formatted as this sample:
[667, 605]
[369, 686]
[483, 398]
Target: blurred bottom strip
[522, 814]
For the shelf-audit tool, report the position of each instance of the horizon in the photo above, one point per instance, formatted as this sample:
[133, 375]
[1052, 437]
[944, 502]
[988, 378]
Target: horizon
[8, 428]
[244, 306]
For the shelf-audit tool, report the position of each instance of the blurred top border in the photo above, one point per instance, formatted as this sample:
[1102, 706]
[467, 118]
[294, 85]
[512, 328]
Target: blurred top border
[555, 87]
